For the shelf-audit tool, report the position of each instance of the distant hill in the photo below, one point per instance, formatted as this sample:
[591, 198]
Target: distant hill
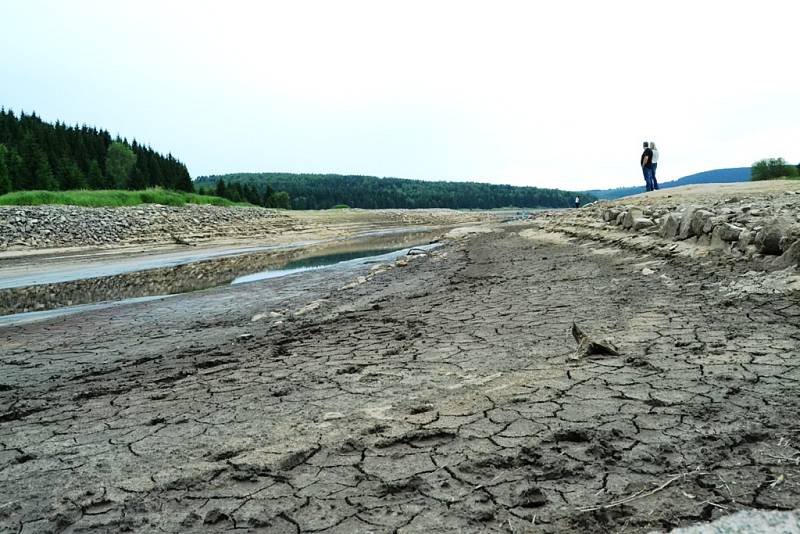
[718, 176]
[323, 191]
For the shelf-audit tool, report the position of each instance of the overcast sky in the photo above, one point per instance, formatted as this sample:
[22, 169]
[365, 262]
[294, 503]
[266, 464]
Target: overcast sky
[551, 94]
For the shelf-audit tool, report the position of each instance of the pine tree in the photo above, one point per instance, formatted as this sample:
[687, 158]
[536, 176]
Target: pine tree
[72, 175]
[30, 142]
[5, 177]
[95, 176]
[42, 173]
[220, 190]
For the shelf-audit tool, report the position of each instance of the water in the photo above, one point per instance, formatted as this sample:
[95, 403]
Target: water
[342, 260]
[109, 266]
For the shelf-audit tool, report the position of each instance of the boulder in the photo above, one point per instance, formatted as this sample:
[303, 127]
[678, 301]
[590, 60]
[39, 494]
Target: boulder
[717, 241]
[770, 238]
[670, 226]
[685, 229]
[640, 223]
[610, 215]
[713, 222]
[630, 216]
[745, 240]
[729, 232]
[698, 221]
[791, 256]
[619, 218]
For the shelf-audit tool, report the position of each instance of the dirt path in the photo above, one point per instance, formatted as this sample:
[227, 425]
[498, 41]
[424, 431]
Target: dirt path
[436, 397]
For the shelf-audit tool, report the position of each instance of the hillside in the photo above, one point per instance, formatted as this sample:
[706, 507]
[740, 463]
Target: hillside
[717, 176]
[322, 191]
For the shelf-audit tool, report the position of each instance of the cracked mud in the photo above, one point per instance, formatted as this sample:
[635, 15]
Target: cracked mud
[439, 396]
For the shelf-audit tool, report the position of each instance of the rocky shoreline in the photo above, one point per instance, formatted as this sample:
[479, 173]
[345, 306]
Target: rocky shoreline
[760, 228]
[30, 228]
[64, 226]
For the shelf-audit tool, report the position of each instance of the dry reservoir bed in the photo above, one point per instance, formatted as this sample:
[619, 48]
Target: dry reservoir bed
[438, 396]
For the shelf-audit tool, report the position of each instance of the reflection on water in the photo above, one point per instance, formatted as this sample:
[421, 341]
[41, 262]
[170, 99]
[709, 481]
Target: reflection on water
[326, 260]
[330, 259]
[207, 272]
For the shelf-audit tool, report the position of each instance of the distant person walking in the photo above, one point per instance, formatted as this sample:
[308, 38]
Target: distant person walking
[577, 202]
[655, 163]
[647, 166]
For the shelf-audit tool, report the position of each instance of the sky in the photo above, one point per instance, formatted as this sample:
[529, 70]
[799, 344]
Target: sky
[540, 93]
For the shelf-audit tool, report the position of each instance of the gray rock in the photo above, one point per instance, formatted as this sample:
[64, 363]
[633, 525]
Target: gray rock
[729, 232]
[610, 215]
[670, 226]
[630, 216]
[699, 219]
[770, 239]
[641, 223]
[685, 230]
[791, 256]
[717, 241]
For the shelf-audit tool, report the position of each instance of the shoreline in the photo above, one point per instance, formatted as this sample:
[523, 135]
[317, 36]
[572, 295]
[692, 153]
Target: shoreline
[441, 392]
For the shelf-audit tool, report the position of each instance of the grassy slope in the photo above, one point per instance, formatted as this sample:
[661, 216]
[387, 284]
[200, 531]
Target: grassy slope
[111, 198]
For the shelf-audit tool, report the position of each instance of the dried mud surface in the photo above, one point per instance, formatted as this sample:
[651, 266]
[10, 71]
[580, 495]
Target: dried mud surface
[439, 396]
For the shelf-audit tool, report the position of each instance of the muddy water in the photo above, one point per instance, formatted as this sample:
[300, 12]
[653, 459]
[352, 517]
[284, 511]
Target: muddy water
[240, 265]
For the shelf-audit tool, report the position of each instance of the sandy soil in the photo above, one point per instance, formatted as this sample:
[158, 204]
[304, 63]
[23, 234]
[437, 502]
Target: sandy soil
[710, 193]
[438, 396]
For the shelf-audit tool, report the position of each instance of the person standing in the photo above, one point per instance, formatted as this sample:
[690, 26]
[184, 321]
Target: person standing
[577, 202]
[655, 164]
[646, 162]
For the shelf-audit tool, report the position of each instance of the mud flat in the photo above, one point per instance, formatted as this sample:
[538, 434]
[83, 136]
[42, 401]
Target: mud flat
[93, 281]
[437, 393]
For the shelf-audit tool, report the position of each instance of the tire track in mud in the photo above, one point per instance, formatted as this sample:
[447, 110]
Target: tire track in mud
[437, 397]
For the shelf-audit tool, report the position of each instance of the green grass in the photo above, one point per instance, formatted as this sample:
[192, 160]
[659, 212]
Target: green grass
[112, 198]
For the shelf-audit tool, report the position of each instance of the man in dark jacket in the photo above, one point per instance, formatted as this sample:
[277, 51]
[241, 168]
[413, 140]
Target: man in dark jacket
[647, 166]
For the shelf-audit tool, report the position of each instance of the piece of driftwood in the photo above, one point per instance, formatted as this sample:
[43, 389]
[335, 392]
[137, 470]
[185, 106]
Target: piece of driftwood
[588, 346]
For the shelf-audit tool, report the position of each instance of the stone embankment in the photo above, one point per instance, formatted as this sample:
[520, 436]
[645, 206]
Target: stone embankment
[763, 228]
[24, 228]
[66, 226]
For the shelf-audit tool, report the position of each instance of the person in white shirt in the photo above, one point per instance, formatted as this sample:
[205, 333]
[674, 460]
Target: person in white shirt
[655, 163]
[577, 202]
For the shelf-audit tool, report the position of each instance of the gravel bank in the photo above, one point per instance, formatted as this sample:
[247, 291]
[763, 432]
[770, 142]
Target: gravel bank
[30, 228]
[68, 226]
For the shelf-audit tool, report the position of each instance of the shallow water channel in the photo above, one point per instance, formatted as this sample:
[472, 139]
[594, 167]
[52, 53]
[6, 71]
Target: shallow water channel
[20, 305]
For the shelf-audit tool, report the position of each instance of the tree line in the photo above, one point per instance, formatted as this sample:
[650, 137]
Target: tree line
[238, 192]
[38, 155]
[773, 169]
[323, 191]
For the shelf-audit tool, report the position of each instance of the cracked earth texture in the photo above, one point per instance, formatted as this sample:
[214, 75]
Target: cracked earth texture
[437, 397]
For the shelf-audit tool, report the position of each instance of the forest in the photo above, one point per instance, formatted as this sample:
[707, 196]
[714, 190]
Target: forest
[243, 192]
[323, 191]
[36, 155]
